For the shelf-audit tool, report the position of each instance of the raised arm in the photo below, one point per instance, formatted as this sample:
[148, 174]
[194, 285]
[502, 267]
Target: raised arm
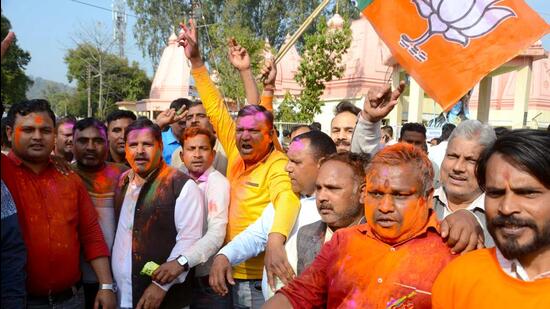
[378, 104]
[211, 99]
[240, 59]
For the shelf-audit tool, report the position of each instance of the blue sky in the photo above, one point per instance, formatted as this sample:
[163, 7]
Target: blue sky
[45, 28]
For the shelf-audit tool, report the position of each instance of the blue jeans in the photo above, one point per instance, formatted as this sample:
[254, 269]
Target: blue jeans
[247, 294]
[204, 296]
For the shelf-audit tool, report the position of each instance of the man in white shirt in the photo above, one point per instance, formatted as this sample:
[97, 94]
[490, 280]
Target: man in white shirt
[459, 189]
[198, 156]
[196, 118]
[159, 213]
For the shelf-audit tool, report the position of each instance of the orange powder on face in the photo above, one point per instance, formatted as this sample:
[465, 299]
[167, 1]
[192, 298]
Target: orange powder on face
[38, 120]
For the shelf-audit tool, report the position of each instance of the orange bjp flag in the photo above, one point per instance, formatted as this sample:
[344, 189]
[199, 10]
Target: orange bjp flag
[448, 46]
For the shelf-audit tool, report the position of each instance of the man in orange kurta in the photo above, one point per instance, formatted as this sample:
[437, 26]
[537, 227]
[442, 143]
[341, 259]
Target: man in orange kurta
[390, 262]
[514, 173]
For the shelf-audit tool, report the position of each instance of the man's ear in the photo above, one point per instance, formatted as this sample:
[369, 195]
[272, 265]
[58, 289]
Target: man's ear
[362, 192]
[9, 132]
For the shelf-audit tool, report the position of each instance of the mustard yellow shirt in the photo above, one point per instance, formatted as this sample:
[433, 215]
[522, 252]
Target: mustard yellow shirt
[252, 188]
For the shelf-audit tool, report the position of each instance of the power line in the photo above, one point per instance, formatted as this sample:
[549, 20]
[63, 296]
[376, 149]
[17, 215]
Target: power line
[99, 7]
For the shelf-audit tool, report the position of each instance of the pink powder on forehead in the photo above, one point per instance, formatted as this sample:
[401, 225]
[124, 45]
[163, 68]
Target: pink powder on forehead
[297, 145]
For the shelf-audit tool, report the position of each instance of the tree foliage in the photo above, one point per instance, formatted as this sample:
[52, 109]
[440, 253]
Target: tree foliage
[249, 21]
[15, 82]
[121, 80]
[285, 111]
[321, 62]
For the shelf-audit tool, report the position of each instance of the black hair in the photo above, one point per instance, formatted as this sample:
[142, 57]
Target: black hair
[321, 144]
[29, 106]
[357, 161]
[194, 103]
[120, 114]
[251, 110]
[5, 141]
[412, 127]
[85, 123]
[299, 126]
[526, 149]
[446, 131]
[500, 131]
[346, 106]
[178, 103]
[315, 126]
[144, 123]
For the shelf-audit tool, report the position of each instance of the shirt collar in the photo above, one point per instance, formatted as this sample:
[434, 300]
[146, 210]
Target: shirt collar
[431, 224]
[478, 203]
[204, 176]
[18, 162]
[169, 137]
[514, 269]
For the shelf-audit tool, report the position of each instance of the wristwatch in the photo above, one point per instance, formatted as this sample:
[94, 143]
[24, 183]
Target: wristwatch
[109, 286]
[182, 260]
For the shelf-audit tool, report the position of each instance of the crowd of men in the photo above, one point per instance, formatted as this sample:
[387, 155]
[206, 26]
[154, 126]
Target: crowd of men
[197, 209]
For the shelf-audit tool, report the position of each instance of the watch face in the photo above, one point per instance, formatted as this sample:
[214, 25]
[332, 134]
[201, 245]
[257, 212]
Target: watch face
[182, 260]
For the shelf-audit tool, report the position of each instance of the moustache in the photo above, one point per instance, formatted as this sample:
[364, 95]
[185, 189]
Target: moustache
[342, 142]
[511, 221]
[324, 206]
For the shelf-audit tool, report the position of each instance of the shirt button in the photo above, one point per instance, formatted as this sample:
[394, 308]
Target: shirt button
[392, 249]
[379, 280]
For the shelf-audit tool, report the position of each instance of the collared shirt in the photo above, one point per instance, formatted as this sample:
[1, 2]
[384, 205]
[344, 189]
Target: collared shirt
[477, 204]
[437, 152]
[57, 220]
[169, 144]
[101, 186]
[252, 187]
[357, 270]
[514, 269]
[219, 163]
[477, 279]
[253, 240]
[215, 190]
[188, 218]
[477, 208]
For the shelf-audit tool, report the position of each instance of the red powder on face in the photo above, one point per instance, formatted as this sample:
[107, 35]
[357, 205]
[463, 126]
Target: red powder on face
[38, 120]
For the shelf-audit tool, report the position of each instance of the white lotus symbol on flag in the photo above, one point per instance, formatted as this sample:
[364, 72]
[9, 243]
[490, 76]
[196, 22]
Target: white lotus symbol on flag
[457, 21]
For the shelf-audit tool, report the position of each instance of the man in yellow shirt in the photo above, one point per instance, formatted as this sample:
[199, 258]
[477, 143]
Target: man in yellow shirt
[255, 170]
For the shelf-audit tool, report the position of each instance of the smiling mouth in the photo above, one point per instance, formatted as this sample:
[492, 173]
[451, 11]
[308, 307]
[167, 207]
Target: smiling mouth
[456, 178]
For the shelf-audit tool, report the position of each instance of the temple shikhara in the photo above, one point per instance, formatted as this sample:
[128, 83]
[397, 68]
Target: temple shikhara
[515, 95]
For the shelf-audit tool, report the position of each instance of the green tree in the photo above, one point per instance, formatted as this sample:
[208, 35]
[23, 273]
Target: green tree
[15, 82]
[321, 62]
[63, 102]
[285, 111]
[249, 21]
[119, 79]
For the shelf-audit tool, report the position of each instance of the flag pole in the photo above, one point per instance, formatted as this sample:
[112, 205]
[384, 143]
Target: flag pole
[287, 45]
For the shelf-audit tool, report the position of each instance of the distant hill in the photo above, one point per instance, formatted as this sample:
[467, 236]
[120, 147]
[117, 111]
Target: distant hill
[36, 91]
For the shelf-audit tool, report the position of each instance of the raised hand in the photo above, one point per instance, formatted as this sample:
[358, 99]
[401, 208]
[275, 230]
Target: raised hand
[189, 40]
[380, 102]
[269, 74]
[6, 43]
[171, 116]
[238, 56]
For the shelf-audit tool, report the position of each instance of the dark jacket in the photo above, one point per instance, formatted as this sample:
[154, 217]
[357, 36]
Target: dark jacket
[14, 255]
[154, 232]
